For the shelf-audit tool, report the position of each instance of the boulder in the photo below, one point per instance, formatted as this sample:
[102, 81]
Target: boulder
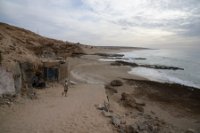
[116, 83]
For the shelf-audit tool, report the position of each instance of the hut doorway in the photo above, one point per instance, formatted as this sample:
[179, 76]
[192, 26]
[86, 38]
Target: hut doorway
[51, 74]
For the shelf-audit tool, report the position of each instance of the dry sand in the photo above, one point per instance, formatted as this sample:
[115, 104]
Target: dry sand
[52, 113]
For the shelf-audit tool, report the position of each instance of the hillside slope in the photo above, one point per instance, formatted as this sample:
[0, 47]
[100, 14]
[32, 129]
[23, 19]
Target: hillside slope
[20, 45]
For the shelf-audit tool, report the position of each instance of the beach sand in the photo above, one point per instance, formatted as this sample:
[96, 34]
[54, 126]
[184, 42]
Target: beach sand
[77, 113]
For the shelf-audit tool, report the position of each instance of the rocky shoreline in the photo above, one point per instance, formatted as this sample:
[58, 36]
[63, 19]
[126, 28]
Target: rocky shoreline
[136, 119]
[163, 67]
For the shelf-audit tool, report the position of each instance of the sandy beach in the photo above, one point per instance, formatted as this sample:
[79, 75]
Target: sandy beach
[136, 105]
[93, 66]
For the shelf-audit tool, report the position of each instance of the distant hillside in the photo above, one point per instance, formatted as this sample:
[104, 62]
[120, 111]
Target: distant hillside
[17, 44]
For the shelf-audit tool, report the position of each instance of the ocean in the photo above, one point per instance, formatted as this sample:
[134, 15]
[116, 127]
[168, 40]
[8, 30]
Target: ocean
[187, 58]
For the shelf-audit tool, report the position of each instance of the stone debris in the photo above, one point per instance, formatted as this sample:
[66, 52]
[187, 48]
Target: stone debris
[104, 107]
[107, 114]
[100, 107]
[7, 99]
[151, 126]
[115, 121]
[129, 101]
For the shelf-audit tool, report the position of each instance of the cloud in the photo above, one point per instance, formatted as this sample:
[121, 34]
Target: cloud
[107, 22]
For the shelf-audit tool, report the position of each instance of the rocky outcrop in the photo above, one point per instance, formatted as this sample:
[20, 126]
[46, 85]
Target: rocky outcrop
[161, 67]
[132, 64]
[124, 63]
[109, 55]
[128, 100]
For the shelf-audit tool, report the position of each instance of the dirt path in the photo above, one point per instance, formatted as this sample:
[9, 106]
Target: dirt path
[52, 113]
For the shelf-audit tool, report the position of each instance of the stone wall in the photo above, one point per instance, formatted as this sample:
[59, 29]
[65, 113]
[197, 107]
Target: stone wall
[6, 82]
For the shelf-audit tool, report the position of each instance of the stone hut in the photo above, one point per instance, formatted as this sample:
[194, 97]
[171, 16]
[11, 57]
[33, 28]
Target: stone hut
[55, 70]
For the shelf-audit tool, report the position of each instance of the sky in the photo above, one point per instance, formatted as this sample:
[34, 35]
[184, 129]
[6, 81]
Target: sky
[142, 23]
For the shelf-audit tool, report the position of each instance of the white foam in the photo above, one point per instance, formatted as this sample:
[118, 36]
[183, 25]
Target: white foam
[156, 75]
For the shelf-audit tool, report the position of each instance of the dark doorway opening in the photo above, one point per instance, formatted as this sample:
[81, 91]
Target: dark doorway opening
[51, 74]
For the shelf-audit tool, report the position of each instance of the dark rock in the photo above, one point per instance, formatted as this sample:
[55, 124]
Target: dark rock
[139, 108]
[161, 67]
[190, 131]
[128, 100]
[77, 54]
[115, 64]
[139, 58]
[124, 96]
[108, 55]
[131, 129]
[62, 62]
[110, 88]
[132, 64]
[125, 63]
[116, 83]
[147, 126]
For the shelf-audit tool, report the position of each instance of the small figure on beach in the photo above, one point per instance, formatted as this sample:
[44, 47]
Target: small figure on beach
[65, 88]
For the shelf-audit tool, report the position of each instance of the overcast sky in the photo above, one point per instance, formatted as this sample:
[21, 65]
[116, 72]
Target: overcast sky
[108, 22]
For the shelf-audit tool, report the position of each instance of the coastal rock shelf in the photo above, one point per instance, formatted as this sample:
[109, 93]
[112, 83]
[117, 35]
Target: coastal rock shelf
[109, 55]
[122, 58]
[120, 63]
[105, 55]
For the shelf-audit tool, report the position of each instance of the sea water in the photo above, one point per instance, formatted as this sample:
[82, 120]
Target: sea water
[187, 58]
